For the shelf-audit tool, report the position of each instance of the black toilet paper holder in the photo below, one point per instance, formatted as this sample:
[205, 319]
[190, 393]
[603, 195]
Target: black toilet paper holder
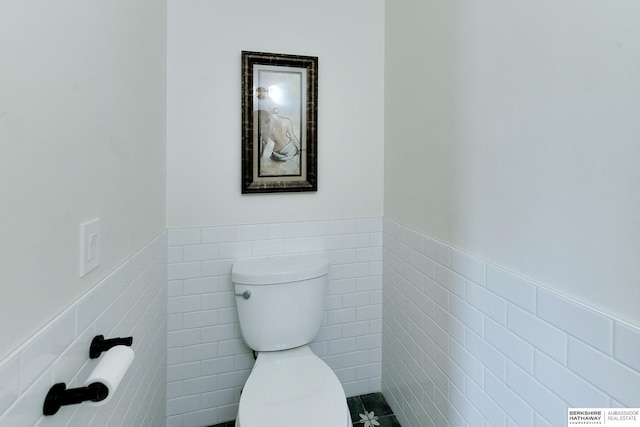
[59, 395]
[99, 344]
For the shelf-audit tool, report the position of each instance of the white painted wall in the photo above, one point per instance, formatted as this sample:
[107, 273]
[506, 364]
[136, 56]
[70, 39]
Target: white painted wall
[512, 133]
[82, 135]
[205, 40]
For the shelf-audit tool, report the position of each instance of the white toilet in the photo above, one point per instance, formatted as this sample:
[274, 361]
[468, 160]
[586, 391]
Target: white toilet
[280, 306]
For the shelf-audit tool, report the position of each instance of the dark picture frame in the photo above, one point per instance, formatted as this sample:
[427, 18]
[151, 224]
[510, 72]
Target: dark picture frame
[279, 123]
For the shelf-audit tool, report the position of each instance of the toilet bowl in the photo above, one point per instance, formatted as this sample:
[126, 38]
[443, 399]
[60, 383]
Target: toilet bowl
[280, 305]
[292, 388]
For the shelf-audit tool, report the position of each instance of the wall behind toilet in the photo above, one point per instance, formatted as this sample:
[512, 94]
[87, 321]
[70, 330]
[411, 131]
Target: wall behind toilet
[210, 223]
[205, 40]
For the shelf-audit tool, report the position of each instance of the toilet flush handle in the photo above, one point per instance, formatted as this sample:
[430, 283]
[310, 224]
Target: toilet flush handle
[245, 295]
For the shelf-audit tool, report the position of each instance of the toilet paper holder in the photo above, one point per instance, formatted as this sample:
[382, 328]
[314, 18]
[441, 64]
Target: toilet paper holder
[59, 395]
[99, 344]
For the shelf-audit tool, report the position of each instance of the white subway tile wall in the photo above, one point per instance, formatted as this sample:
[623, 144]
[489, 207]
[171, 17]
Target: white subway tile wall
[466, 343]
[208, 363]
[131, 301]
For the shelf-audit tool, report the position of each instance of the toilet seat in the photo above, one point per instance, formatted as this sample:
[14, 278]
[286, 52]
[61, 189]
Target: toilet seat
[292, 388]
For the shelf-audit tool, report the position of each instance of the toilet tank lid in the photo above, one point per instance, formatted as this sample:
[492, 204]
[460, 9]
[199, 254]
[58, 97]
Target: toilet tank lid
[279, 269]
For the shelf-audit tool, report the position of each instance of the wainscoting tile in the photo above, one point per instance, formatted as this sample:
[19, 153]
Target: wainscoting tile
[131, 301]
[206, 330]
[528, 353]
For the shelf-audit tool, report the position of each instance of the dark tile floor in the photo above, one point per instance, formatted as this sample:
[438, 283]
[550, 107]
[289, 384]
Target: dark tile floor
[364, 409]
[371, 407]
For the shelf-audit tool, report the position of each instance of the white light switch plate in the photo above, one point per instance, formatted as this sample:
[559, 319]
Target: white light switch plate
[89, 246]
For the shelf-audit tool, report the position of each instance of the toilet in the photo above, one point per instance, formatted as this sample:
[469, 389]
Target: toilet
[280, 308]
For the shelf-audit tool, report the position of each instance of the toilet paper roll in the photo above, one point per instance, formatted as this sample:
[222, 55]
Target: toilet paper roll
[111, 369]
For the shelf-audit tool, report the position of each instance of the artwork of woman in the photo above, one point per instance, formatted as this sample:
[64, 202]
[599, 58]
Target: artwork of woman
[280, 147]
[279, 123]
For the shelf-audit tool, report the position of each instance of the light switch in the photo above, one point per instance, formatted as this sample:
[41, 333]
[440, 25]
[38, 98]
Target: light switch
[89, 246]
[92, 250]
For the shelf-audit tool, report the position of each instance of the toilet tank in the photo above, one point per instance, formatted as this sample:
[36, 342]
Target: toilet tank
[286, 305]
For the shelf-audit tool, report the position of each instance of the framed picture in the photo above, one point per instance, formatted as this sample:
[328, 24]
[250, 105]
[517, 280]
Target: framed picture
[279, 123]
